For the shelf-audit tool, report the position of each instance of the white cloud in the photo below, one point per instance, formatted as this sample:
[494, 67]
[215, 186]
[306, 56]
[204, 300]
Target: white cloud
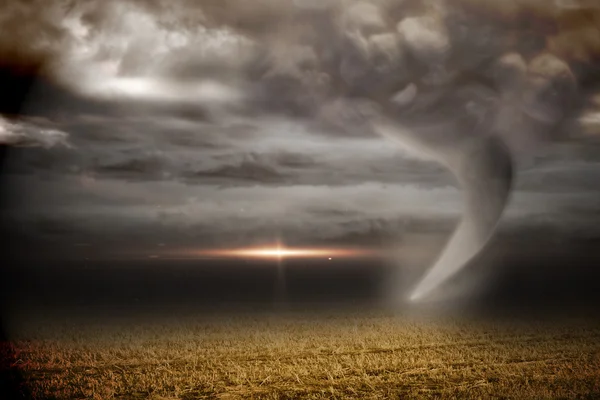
[129, 56]
[27, 134]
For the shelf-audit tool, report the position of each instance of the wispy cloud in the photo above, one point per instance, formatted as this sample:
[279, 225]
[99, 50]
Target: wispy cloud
[28, 134]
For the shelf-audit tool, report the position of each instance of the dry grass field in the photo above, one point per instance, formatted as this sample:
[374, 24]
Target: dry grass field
[301, 355]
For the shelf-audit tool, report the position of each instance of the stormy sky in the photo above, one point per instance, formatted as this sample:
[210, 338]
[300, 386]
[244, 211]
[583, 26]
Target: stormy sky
[135, 126]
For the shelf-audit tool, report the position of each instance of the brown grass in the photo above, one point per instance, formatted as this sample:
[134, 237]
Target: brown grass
[303, 356]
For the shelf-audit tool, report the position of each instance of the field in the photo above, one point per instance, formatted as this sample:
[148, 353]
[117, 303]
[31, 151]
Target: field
[372, 355]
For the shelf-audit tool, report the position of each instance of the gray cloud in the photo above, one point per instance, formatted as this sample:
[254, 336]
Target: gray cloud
[225, 120]
[99, 210]
[20, 133]
[248, 168]
[273, 55]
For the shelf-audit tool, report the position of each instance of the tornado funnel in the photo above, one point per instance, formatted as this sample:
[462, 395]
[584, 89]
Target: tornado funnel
[484, 169]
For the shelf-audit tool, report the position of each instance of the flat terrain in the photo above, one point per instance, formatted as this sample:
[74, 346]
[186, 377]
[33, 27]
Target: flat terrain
[371, 355]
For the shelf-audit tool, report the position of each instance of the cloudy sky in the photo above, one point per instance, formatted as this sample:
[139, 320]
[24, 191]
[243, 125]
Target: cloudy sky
[149, 124]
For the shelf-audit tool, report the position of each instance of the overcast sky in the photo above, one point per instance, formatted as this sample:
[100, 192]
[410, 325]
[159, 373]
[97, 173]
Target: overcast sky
[231, 122]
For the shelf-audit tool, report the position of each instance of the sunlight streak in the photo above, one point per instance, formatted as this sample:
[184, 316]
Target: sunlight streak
[280, 252]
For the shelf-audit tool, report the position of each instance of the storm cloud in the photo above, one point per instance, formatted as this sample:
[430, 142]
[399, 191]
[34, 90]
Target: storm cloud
[276, 108]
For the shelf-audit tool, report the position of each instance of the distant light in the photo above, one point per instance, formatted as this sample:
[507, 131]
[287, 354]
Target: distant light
[283, 252]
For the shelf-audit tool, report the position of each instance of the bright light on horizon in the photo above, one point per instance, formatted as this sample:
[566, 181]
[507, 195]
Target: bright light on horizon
[283, 252]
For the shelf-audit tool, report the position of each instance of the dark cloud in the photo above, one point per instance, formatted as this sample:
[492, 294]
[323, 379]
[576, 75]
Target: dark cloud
[247, 169]
[232, 121]
[284, 168]
[145, 168]
[372, 50]
[565, 178]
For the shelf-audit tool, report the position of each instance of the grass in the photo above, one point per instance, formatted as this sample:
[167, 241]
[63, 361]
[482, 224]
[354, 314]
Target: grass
[300, 355]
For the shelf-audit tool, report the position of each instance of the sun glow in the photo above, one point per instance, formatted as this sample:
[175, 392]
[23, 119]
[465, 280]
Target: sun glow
[283, 252]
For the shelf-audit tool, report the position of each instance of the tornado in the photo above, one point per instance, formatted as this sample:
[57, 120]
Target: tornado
[484, 170]
[483, 167]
